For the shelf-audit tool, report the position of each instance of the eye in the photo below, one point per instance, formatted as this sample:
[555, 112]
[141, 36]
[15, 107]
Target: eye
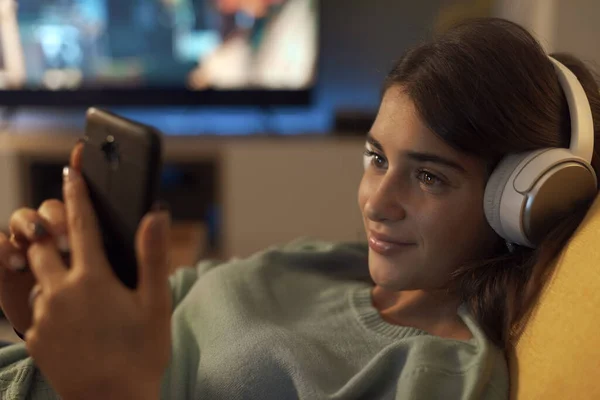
[374, 159]
[429, 179]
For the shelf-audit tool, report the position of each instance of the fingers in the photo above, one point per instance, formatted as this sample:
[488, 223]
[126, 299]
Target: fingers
[46, 263]
[27, 226]
[76, 154]
[33, 295]
[152, 247]
[11, 257]
[15, 284]
[84, 235]
[53, 212]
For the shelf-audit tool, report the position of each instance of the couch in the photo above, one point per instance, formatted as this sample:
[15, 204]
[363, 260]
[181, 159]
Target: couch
[558, 354]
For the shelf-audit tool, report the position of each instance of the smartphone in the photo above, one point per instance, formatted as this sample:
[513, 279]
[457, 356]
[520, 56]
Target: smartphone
[121, 164]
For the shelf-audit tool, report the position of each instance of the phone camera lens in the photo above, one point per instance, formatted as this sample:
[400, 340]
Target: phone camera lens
[110, 149]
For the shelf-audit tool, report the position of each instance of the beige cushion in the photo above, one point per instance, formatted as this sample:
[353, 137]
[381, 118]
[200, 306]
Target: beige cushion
[558, 355]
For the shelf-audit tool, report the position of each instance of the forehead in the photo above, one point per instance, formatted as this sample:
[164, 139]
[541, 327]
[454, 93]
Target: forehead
[399, 128]
[398, 124]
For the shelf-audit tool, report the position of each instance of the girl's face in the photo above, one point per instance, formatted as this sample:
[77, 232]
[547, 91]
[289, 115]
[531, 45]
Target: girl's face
[421, 201]
[256, 8]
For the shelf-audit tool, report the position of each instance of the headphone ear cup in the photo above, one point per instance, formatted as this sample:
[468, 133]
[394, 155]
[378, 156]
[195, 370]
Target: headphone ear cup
[495, 188]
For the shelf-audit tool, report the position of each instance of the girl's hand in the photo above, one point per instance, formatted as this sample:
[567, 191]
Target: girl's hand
[91, 336]
[28, 226]
[16, 280]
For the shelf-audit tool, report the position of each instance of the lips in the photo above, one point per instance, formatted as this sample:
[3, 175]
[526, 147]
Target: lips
[387, 245]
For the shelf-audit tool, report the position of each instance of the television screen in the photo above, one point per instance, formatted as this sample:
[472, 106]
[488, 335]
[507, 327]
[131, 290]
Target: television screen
[122, 46]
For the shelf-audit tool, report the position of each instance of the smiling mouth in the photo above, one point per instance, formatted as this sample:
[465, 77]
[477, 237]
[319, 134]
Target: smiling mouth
[385, 246]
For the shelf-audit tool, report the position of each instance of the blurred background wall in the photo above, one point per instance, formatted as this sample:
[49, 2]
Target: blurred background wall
[560, 25]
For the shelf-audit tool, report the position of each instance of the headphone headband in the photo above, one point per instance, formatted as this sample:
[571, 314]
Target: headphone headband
[582, 124]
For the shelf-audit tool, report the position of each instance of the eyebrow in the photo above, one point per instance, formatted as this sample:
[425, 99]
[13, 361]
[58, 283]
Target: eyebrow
[420, 156]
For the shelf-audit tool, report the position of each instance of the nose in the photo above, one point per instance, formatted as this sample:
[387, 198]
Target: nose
[385, 203]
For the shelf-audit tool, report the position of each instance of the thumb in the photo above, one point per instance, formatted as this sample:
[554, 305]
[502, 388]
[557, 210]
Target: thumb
[152, 247]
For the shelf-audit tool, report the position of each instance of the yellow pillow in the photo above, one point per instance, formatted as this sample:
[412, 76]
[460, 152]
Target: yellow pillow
[558, 355]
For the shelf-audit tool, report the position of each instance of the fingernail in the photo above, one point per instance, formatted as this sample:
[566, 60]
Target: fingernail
[35, 292]
[17, 263]
[38, 230]
[18, 240]
[69, 174]
[160, 224]
[161, 206]
[82, 139]
[62, 242]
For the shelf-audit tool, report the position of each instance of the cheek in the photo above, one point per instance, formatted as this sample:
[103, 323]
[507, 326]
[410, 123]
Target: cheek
[455, 230]
[363, 193]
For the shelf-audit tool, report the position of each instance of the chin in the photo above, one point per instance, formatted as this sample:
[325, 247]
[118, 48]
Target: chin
[390, 273]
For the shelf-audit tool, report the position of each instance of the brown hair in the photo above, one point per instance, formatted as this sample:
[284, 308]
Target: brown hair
[487, 88]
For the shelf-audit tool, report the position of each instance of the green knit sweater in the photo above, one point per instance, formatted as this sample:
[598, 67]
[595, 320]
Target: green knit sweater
[297, 322]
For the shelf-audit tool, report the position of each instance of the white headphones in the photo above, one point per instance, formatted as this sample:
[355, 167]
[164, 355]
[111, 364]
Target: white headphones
[528, 191]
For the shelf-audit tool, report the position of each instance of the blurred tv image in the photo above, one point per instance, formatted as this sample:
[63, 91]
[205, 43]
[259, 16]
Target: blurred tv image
[193, 44]
[11, 60]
